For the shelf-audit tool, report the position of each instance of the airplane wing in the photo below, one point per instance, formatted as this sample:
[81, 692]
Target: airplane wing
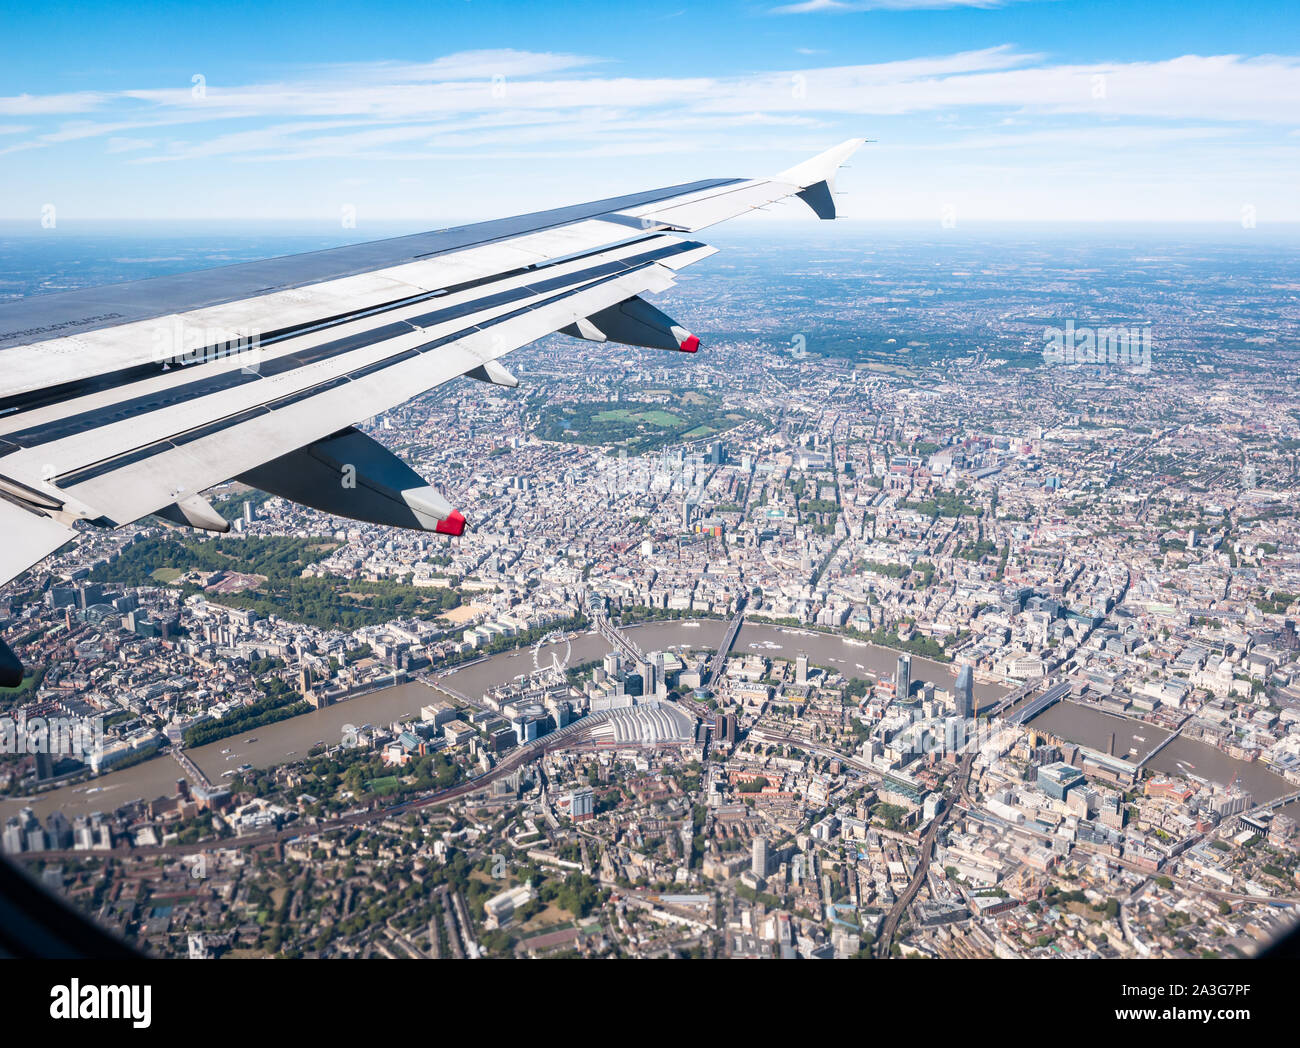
[121, 401]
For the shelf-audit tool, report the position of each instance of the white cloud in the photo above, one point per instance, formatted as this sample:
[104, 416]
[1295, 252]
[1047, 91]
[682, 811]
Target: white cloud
[40, 105]
[475, 65]
[850, 6]
[1233, 88]
[998, 116]
[1218, 87]
[127, 145]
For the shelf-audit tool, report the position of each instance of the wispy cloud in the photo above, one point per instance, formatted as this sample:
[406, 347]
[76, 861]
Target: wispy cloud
[509, 105]
[414, 103]
[40, 105]
[849, 6]
[128, 145]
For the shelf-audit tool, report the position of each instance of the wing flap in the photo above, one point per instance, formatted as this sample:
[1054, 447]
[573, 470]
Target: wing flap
[28, 539]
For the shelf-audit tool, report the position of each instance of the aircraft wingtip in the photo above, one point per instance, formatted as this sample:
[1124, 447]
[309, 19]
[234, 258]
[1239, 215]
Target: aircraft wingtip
[822, 167]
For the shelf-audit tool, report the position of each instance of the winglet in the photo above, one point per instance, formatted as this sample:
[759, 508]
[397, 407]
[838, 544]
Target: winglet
[816, 177]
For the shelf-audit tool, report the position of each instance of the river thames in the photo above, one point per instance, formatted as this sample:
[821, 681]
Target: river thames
[290, 739]
[1135, 739]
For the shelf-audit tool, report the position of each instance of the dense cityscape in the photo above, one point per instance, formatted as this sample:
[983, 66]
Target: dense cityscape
[874, 629]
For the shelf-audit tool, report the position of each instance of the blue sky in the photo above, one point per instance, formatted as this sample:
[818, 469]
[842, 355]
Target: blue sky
[1044, 110]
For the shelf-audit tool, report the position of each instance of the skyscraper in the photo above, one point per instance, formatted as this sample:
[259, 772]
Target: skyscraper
[966, 692]
[801, 668]
[903, 676]
[758, 864]
[649, 679]
[44, 765]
